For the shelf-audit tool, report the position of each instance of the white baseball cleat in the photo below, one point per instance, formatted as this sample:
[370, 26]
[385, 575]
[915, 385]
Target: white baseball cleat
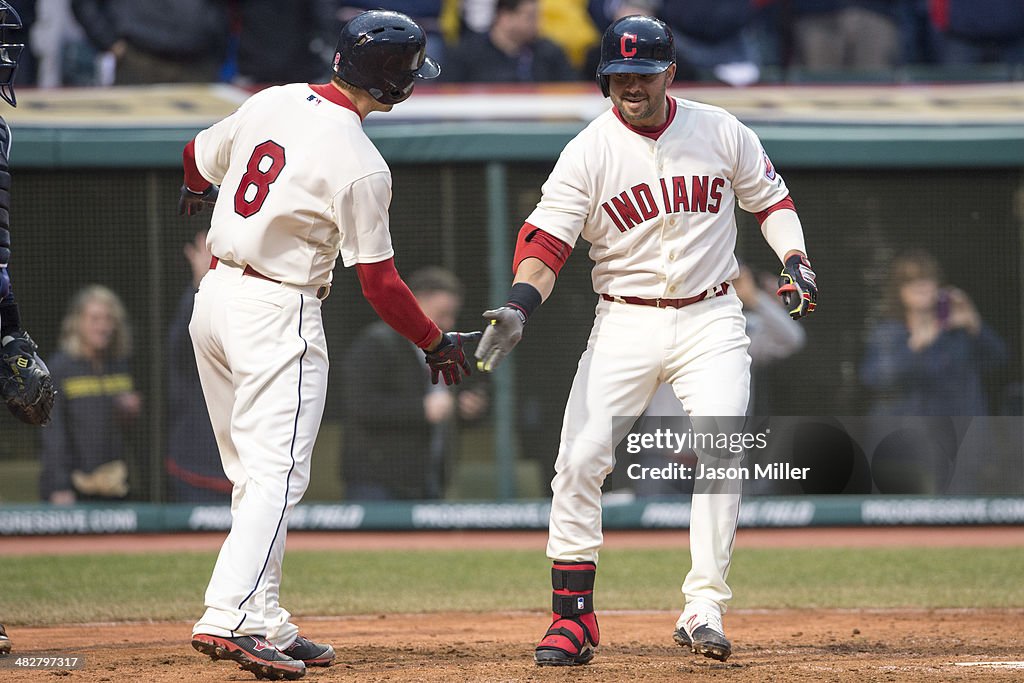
[702, 632]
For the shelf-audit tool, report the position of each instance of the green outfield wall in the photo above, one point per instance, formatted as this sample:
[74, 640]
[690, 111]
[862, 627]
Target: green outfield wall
[810, 511]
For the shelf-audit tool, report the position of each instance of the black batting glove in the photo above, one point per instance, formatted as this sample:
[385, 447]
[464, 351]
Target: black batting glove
[190, 203]
[448, 360]
[504, 330]
[797, 287]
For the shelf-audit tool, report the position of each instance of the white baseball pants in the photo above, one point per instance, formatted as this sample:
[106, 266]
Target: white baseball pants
[701, 351]
[262, 360]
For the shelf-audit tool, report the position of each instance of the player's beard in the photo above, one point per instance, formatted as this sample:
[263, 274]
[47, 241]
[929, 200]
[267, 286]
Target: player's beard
[640, 119]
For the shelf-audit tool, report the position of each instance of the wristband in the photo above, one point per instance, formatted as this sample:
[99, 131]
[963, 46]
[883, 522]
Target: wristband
[10, 319]
[524, 298]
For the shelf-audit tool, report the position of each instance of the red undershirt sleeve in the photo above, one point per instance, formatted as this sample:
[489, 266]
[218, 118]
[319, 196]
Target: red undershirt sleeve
[384, 288]
[194, 180]
[534, 242]
[786, 203]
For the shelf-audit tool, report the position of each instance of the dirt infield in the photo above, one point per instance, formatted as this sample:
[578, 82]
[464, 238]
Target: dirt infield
[769, 645]
[776, 645]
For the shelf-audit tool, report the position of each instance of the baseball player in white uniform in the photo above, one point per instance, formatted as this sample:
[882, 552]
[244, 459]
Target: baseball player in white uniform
[652, 185]
[299, 183]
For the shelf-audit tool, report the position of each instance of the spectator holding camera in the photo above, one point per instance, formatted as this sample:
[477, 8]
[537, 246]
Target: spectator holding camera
[929, 356]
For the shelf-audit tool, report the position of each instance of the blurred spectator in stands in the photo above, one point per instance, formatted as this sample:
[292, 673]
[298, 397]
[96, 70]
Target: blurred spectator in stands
[154, 41]
[83, 450]
[716, 38]
[195, 474]
[768, 30]
[979, 31]
[285, 43]
[510, 52]
[568, 25]
[398, 436]
[426, 13]
[929, 355]
[65, 55]
[466, 15]
[845, 34]
[917, 33]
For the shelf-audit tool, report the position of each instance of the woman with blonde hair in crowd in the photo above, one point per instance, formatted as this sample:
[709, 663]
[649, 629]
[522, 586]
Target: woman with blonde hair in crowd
[83, 454]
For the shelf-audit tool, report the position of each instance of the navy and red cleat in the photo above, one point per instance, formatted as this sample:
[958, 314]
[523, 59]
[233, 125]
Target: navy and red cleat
[310, 653]
[253, 653]
[568, 642]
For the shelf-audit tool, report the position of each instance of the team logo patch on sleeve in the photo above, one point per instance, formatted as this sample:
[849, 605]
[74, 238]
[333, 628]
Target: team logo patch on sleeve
[769, 170]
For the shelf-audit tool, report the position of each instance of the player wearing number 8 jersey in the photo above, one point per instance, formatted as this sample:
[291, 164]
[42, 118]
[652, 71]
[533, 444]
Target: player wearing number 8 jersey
[300, 183]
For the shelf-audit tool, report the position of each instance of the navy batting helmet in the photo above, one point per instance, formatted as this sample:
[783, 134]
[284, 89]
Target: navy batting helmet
[635, 45]
[10, 53]
[383, 53]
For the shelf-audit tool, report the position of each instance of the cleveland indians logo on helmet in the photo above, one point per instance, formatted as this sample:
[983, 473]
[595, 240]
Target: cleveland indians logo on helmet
[628, 51]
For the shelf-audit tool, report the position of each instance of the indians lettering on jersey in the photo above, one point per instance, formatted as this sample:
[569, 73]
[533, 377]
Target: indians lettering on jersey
[688, 194]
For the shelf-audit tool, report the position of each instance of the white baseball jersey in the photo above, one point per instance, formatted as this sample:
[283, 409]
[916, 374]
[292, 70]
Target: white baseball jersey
[305, 183]
[659, 214]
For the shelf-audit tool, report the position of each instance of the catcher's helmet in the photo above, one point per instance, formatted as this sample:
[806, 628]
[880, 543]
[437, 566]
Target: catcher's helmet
[635, 45]
[10, 53]
[383, 53]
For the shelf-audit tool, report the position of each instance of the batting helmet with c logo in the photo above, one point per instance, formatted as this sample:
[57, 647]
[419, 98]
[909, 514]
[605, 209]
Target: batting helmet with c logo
[635, 45]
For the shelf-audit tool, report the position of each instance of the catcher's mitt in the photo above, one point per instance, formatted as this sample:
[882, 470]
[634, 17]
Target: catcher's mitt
[25, 382]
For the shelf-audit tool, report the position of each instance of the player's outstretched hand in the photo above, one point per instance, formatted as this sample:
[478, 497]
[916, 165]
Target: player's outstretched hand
[190, 203]
[798, 287]
[503, 332]
[448, 360]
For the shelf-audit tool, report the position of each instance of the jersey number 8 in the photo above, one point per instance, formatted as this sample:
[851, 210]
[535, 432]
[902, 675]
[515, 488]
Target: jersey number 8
[270, 156]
